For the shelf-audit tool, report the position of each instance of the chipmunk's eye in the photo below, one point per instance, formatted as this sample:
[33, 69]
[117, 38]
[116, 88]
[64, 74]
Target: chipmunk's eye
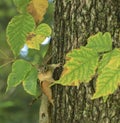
[45, 68]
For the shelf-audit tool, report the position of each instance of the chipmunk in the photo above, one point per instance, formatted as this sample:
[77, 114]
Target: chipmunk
[45, 76]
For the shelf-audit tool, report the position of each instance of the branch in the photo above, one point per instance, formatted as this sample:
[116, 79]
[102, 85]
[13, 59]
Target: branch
[43, 111]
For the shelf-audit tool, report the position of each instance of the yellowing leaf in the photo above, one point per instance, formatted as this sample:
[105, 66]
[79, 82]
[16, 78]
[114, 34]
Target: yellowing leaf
[107, 82]
[114, 63]
[109, 74]
[80, 67]
[37, 8]
[34, 41]
[110, 60]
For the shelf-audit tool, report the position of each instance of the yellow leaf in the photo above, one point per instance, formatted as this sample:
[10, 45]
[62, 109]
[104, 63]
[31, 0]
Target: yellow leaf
[34, 41]
[114, 63]
[37, 8]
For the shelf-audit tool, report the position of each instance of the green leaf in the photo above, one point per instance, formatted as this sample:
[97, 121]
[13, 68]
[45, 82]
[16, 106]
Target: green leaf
[80, 67]
[21, 5]
[100, 43]
[109, 76]
[44, 30]
[20, 69]
[111, 56]
[30, 82]
[17, 30]
[107, 82]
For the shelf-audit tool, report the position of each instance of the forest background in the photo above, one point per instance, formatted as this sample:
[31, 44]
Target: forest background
[14, 105]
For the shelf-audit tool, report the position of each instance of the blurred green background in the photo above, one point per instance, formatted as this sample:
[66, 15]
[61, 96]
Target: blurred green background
[14, 105]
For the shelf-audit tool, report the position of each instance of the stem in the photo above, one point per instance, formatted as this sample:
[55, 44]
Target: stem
[3, 53]
[6, 63]
[5, 58]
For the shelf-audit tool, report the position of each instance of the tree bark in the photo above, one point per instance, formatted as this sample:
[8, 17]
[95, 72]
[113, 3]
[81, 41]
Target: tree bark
[74, 22]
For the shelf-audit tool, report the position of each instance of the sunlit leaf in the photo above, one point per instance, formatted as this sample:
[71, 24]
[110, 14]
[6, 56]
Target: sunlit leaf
[100, 42]
[109, 59]
[34, 39]
[17, 30]
[109, 75]
[20, 69]
[80, 67]
[30, 82]
[37, 8]
[107, 82]
[34, 42]
[44, 30]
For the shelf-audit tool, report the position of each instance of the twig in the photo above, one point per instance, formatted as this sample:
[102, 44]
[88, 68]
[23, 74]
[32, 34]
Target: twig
[6, 63]
[3, 53]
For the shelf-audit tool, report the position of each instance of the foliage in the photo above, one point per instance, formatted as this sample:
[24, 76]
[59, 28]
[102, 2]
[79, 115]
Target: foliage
[21, 5]
[97, 57]
[23, 71]
[100, 43]
[77, 68]
[24, 26]
[15, 100]
[7, 10]
[38, 36]
[109, 74]
[17, 30]
[37, 8]
[49, 16]
[21, 30]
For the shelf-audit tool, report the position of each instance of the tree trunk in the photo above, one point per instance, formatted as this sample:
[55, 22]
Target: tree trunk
[74, 22]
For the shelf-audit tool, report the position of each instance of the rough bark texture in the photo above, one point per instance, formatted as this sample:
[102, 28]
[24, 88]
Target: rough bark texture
[75, 21]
